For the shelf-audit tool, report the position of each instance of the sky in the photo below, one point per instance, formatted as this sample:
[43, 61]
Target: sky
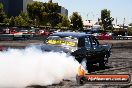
[91, 9]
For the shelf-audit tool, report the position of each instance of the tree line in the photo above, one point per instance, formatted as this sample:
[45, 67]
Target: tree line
[42, 14]
[47, 15]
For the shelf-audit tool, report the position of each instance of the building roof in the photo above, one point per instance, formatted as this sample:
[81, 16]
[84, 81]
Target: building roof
[89, 23]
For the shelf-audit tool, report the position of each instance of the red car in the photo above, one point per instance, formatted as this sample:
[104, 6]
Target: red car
[2, 48]
[43, 32]
[104, 36]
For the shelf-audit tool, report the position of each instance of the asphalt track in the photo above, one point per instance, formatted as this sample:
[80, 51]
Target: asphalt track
[120, 62]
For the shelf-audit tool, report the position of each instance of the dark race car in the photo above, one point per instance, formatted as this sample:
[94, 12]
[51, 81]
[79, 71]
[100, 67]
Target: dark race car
[80, 45]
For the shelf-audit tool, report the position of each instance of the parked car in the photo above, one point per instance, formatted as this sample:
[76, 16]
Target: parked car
[24, 31]
[2, 48]
[104, 36]
[44, 32]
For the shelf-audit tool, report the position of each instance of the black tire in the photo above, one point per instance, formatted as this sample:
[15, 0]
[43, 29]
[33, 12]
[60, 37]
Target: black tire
[102, 64]
[89, 67]
[81, 80]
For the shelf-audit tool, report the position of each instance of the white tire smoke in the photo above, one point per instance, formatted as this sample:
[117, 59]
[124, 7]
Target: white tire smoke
[31, 66]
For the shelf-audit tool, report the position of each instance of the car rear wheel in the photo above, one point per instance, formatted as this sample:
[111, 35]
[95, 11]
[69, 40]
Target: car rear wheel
[102, 64]
[89, 66]
[81, 80]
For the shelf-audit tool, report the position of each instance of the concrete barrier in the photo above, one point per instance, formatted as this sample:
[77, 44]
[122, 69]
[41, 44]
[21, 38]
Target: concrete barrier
[122, 38]
[6, 36]
[21, 37]
[42, 37]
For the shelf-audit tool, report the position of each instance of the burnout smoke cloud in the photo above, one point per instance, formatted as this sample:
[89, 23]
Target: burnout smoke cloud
[31, 66]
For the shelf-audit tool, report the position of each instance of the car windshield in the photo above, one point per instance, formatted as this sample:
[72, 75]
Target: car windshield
[62, 41]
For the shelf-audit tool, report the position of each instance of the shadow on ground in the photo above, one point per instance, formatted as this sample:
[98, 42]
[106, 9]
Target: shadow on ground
[96, 68]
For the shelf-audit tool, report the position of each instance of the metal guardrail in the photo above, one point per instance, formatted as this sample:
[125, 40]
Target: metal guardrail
[122, 38]
[21, 37]
[6, 37]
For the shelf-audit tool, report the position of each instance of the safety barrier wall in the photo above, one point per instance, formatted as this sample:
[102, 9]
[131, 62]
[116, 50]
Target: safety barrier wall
[40, 37]
[122, 37]
[21, 37]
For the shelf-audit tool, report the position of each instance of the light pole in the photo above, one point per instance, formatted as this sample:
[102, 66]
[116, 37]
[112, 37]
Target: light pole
[126, 30]
[87, 16]
[92, 15]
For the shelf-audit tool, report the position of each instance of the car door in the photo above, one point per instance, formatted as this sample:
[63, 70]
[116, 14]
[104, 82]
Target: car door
[89, 51]
[96, 48]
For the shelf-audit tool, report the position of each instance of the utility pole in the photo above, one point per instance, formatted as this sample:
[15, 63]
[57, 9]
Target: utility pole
[123, 23]
[126, 31]
[116, 21]
[87, 16]
[93, 17]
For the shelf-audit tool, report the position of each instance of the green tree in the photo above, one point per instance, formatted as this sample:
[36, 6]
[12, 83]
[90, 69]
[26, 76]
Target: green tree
[65, 22]
[44, 18]
[129, 30]
[54, 19]
[2, 14]
[24, 16]
[51, 15]
[51, 7]
[35, 11]
[130, 24]
[6, 21]
[44, 13]
[106, 20]
[76, 21]
[12, 21]
[20, 21]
